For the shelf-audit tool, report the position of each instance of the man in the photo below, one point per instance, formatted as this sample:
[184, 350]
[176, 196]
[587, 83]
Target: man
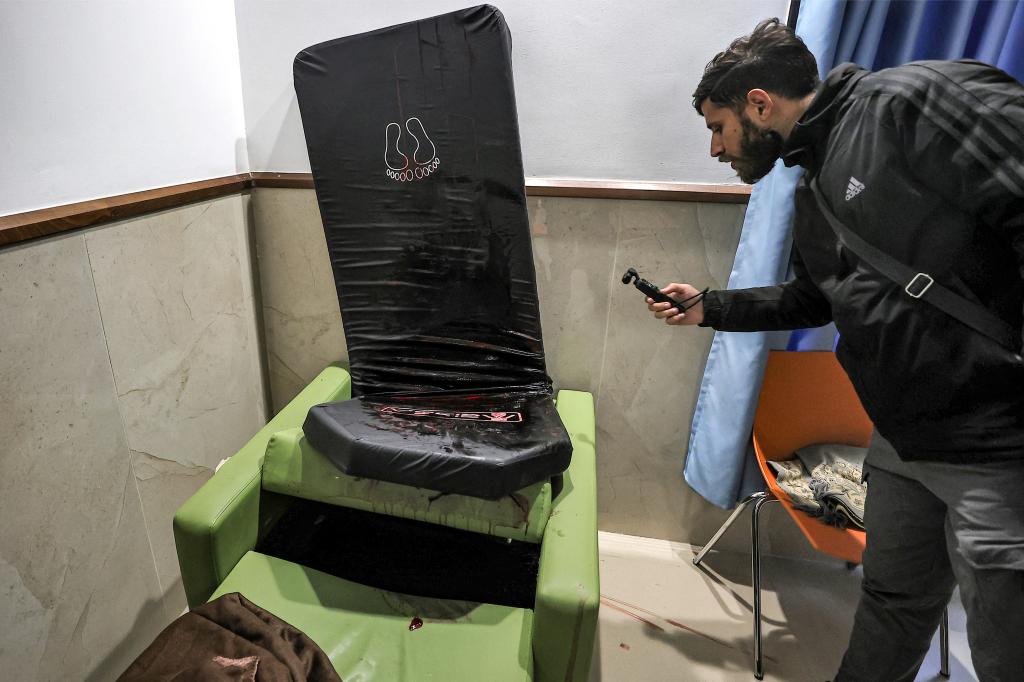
[926, 163]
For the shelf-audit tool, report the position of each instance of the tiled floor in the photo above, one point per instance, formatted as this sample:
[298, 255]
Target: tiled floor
[664, 619]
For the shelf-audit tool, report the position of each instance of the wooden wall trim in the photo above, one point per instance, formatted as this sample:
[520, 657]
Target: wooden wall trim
[620, 189]
[285, 180]
[21, 227]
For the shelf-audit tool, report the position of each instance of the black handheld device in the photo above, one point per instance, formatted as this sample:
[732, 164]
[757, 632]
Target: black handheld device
[654, 291]
[646, 287]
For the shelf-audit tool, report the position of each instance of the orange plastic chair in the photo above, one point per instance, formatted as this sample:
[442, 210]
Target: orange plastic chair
[806, 398]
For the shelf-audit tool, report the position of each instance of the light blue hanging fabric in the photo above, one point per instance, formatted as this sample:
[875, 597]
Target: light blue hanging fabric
[875, 34]
[725, 405]
[717, 464]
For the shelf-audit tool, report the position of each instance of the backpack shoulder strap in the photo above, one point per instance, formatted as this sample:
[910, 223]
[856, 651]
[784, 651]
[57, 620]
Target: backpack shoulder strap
[921, 285]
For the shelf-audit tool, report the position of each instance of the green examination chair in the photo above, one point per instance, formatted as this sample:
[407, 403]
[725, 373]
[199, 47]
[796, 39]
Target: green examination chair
[442, 437]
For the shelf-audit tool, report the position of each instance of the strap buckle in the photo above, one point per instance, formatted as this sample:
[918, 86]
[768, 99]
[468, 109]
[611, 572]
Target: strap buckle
[921, 283]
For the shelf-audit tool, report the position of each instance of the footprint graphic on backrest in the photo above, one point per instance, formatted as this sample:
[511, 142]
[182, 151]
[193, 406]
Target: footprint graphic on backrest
[425, 151]
[398, 150]
[393, 156]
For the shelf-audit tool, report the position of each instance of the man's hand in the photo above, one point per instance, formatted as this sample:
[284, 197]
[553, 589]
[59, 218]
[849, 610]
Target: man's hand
[673, 315]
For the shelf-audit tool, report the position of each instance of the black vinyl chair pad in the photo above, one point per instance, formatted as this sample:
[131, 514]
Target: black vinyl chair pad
[481, 445]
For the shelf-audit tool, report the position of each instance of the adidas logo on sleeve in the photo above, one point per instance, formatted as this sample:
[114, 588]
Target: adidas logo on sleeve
[854, 188]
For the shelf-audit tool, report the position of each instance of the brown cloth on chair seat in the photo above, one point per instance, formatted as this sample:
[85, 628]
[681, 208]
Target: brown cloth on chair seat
[231, 640]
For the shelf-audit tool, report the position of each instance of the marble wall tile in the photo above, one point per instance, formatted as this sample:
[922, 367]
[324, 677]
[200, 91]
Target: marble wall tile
[720, 226]
[651, 375]
[301, 318]
[78, 587]
[175, 294]
[164, 486]
[123, 610]
[25, 623]
[573, 252]
[651, 378]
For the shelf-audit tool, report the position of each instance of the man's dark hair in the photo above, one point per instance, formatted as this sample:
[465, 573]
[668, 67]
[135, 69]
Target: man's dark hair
[772, 58]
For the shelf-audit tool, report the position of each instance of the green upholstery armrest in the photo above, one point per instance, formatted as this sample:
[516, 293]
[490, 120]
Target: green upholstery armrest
[568, 584]
[294, 467]
[220, 522]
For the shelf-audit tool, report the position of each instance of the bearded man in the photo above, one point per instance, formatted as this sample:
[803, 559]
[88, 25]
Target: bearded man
[909, 235]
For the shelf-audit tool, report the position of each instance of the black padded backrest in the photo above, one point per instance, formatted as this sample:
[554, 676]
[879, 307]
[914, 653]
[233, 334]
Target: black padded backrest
[414, 146]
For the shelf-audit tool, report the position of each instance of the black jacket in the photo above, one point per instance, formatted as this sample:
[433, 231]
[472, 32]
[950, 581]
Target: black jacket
[926, 162]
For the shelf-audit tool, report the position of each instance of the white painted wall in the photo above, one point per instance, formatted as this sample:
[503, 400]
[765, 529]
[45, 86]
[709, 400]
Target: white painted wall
[107, 97]
[603, 86]
[104, 97]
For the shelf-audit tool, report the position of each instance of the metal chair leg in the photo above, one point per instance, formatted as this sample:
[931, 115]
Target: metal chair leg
[755, 571]
[725, 526]
[944, 643]
[759, 500]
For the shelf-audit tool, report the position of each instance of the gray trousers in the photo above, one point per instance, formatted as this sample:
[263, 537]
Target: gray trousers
[931, 526]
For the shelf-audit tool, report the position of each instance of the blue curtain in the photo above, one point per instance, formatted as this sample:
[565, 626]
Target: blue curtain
[875, 34]
[883, 33]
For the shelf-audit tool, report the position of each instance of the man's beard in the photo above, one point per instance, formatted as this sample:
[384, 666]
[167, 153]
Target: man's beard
[759, 149]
